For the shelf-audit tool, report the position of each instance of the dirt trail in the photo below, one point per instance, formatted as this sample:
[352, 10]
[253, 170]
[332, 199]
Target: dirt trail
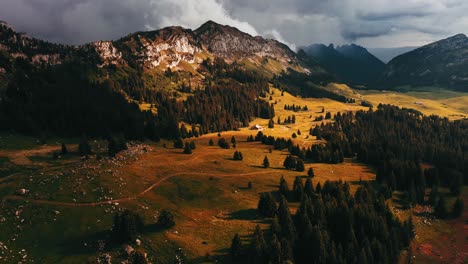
[113, 201]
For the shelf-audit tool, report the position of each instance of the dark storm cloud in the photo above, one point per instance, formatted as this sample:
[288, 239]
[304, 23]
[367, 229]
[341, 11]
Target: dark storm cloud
[300, 22]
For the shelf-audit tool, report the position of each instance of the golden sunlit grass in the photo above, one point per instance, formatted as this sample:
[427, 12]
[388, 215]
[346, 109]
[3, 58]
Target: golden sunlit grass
[304, 119]
[453, 108]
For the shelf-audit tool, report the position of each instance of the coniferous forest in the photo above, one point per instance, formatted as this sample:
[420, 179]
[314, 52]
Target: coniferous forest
[399, 141]
[72, 99]
[330, 226]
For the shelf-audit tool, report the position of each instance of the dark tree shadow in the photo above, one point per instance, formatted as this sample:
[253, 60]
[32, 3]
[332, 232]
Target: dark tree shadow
[244, 214]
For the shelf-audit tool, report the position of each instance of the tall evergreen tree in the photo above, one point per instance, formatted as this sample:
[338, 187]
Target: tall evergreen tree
[187, 148]
[300, 165]
[288, 230]
[236, 247]
[441, 208]
[266, 162]
[298, 189]
[309, 187]
[267, 205]
[283, 187]
[310, 173]
[64, 150]
[458, 207]
[260, 246]
[84, 148]
[275, 251]
[271, 124]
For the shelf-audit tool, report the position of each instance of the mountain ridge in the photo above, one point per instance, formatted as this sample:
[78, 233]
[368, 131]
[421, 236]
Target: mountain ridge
[349, 63]
[441, 63]
[172, 45]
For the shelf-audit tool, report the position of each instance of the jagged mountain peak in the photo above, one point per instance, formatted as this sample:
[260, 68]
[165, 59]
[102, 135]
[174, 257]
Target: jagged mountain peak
[350, 63]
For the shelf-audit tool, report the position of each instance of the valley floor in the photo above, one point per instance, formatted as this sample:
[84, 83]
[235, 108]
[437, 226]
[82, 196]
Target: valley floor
[67, 212]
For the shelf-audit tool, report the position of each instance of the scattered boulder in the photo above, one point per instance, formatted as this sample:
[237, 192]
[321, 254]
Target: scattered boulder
[105, 258]
[22, 191]
[127, 250]
[138, 242]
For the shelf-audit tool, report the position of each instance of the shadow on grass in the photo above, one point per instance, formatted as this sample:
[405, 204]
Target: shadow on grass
[89, 243]
[244, 214]
[86, 243]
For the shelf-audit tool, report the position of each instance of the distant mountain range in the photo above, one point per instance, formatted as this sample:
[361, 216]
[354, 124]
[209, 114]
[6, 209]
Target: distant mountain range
[387, 54]
[442, 64]
[351, 64]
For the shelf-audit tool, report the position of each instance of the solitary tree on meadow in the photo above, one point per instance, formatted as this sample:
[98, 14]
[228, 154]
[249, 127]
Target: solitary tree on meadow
[266, 162]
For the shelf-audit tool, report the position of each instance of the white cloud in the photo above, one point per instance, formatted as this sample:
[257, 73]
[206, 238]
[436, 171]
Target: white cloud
[193, 13]
[276, 35]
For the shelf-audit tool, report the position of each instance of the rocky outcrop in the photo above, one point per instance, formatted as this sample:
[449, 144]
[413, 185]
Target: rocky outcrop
[167, 47]
[231, 43]
[107, 53]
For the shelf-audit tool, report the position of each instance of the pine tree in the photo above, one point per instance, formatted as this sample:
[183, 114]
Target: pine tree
[126, 226]
[192, 145]
[275, 227]
[288, 230]
[275, 251]
[283, 187]
[266, 162]
[310, 173]
[441, 208]
[271, 124]
[458, 207]
[166, 219]
[211, 143]
[286, 251]
[309, 187]
[318, 189]
[300, 165]
[260, 246]
[178, 143]
[138, 258]
[434, 195]
[236, 247]
[64, 149]
[84, 148]
[289, 162]
[298, 189]
[187, 148]
[267, 205]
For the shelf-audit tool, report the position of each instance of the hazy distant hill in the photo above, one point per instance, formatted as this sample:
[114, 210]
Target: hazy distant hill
[387, 54]
[443, 64]
[352, 64]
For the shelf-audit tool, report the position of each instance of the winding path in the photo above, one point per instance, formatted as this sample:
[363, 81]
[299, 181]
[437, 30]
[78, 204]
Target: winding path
[109, 202]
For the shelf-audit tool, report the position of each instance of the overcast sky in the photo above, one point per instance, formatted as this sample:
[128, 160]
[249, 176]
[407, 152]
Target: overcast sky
[371, 23]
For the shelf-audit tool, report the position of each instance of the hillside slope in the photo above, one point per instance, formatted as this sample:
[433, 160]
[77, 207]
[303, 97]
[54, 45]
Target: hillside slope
[349, 63]
[443, 63]
[144, 84]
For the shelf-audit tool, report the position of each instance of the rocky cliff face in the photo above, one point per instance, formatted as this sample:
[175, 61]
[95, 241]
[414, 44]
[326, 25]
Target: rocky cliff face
[442, 63]
[167, 47]
[172, 45]
[230, 43]
[19, 45]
